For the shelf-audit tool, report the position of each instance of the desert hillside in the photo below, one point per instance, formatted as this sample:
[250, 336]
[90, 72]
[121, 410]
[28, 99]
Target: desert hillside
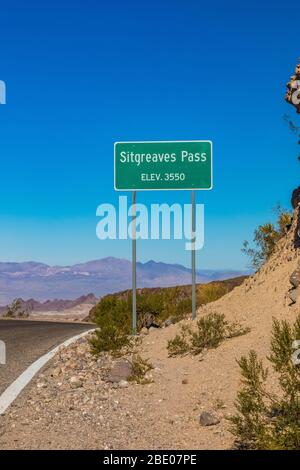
[79, 402]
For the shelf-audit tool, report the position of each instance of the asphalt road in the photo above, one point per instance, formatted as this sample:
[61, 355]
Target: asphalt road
[27, 340]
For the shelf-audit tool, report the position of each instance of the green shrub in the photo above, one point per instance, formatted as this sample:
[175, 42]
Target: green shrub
[112, 314]
[266, 237]
[140, 367]
[266, 420]
[113, 322]
[211, 331]
[180, 344]
[211, 292]
[109, 338]
[156, 305]
[14, 310]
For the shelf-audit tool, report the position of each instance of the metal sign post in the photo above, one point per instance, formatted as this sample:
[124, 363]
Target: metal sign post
[134, 326]
[193, 258]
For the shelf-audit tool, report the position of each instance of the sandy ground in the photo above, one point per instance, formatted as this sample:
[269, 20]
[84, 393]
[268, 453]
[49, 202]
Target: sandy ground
[78, 313]
[165, 413]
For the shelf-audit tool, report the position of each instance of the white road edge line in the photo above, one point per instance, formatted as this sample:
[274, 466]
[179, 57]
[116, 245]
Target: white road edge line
[14, 389]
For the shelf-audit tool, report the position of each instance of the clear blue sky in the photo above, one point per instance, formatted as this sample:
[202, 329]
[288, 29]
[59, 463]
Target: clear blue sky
[83, 74]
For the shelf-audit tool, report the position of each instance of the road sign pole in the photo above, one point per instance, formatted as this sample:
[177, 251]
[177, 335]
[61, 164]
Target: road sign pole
[134, 330]
[193, 258]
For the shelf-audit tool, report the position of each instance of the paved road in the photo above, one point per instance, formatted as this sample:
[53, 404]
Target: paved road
[27, 340]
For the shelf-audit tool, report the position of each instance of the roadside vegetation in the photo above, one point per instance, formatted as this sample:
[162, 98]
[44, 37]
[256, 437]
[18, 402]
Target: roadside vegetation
[113, 327]
[266, 237]
[140, 368]
[15, 310]
[155, 307]
[265, 419]
[211, 331]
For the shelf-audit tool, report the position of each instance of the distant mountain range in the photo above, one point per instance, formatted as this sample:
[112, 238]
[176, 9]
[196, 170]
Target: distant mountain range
[108, 275]
[57, 305]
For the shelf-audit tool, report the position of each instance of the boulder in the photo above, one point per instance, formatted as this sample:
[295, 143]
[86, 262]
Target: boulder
[294, 295]
[169, 321]
[123, 384]
[295, 278]
[293, 89]
[208, 419]
[121, 370]
[144, 331]
[75, 382]
[41, 385]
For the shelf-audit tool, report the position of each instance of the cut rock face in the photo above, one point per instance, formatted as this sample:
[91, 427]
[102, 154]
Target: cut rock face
[120, 371]
[293, 89]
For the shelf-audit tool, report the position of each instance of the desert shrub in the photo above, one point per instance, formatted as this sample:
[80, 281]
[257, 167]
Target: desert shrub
[210, 332]
[109, 338]
[112, 314]
[181, 309]
[155, 306]
[266, 237]
[113, 321]
[150, 308]
[14, 310]
[180, 344]
[211, 292]
[264, 419]
[140, 367]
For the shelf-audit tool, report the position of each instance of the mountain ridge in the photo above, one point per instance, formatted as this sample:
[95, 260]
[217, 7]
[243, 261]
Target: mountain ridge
[43, 282]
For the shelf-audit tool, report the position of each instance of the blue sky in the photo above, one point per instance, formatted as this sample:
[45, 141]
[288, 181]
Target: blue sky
[82, 75]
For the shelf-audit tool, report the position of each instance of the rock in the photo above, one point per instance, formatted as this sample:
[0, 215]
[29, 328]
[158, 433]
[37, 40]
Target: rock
[56, 372]
[41, 385]
[121, 370]
[123, 384]
[293, 88]
[169, 321]
[75, 382]
[144, 331]
[295, 197]
[294, 294]
[208, 419]
[295, 278]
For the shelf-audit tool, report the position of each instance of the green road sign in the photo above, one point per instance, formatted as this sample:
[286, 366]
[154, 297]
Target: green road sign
[163, 165]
